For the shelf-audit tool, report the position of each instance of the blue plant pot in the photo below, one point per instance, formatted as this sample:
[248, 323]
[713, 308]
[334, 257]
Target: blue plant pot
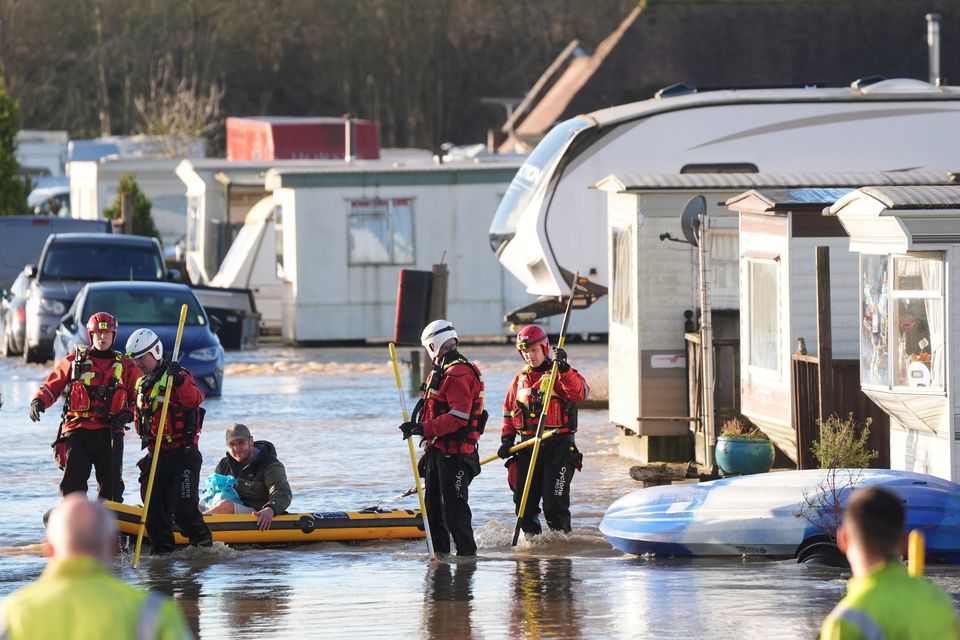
[744, 455]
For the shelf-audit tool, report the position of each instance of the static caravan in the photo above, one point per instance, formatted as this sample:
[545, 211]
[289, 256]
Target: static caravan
[344, 232]
[780, 231]
[549, 225]
[220, 194]
[653, 282]
[908, 299]
[93, 188]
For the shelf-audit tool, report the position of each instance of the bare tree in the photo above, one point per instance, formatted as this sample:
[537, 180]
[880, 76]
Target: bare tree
[178, 110]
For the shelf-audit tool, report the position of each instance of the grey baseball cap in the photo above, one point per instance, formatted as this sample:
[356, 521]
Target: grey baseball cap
[237, 431]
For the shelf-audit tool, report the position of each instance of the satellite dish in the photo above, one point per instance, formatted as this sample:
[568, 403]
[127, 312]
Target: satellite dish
[690, 218]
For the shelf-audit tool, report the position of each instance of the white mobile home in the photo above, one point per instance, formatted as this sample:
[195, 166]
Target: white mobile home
[549, 224]
[908, 239]
[344, 232]
[779, 235]
[220, 194]
[93, 188]
[654, 281]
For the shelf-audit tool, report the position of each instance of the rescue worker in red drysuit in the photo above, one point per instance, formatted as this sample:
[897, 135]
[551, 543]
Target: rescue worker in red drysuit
[450, 418]
[558, 457]
[98, 386]
[175, 497]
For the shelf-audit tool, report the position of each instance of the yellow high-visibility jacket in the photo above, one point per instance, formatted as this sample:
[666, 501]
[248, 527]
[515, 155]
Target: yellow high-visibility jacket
[78, 599]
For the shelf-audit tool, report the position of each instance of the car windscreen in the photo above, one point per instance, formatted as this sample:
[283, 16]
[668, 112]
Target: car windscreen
[143, 307]
[92, 262]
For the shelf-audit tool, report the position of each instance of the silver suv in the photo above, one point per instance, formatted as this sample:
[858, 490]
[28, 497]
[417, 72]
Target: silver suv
[69, 261]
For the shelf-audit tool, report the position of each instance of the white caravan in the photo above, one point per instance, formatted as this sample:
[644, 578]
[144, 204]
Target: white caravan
[550, 224]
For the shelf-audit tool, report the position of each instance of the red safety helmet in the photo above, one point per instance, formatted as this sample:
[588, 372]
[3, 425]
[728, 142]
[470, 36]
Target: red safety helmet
[101, 321]
[530, 335]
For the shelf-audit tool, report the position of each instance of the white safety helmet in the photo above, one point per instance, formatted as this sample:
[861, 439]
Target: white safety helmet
[144, 341]
[435, 334]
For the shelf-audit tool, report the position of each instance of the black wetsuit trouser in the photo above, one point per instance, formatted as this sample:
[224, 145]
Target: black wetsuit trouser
[175, 499]
[447, 478]
[88, 448]
[556, 463]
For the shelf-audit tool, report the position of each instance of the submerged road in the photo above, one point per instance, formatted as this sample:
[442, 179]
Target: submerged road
[332, 414]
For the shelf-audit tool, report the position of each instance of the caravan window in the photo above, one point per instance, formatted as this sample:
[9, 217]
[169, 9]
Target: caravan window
[918, 329]
[874, 319]
[902, 322]
[621, 276]
[764, 305]
[381, 231]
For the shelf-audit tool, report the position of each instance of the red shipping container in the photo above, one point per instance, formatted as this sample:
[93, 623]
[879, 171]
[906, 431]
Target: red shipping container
[292, 138]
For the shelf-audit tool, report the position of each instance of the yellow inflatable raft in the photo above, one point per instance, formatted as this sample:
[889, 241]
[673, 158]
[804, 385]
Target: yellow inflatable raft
[342, 526]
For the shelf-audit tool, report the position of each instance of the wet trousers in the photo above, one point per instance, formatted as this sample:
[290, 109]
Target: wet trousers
[557, 461]
[447, 478]
[175, 499]
[91, 448]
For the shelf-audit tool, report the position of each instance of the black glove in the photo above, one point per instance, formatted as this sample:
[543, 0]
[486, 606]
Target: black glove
[411, 429]
[36, 408]
[120, 420]
[561, 358]
[504, 450]
[175, 371]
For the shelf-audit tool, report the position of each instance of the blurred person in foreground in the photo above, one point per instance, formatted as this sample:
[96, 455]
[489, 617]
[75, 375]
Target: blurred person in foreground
[76, 597]
[882, 600]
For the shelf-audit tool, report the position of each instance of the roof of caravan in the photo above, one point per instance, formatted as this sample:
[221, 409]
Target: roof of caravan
[916, 197]
[383, 173]
[627, 182]
[897, 89]
[772, 200]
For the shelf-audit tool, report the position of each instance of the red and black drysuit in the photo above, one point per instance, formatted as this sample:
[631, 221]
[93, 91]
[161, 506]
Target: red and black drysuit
[558, 457]
[97, 387]
[175, 495]
[451, 413]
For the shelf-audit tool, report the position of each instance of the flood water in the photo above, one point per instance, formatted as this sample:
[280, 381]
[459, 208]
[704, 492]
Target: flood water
[332, 414]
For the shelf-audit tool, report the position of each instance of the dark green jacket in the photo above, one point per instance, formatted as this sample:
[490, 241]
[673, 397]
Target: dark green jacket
[262, 483]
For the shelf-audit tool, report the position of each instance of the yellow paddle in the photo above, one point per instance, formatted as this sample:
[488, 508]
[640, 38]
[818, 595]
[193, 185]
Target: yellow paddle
[413, 454]
[915, 553]
[156, 445]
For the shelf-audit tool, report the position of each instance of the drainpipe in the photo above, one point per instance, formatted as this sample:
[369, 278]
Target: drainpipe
[349, 138]
[933, 44]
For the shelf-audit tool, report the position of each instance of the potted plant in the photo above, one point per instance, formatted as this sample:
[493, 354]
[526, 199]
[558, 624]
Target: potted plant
[743, 449]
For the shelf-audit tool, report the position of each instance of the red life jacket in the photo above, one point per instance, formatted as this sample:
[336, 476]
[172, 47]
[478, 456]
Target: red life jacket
[183, 425]
[433, 403]
[561, 414]
[94, 395]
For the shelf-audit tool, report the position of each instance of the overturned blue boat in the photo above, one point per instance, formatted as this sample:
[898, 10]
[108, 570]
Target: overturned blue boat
[787, 514]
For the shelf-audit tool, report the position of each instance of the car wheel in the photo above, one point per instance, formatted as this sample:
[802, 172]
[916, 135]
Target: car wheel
[30, 355]
[822, 551]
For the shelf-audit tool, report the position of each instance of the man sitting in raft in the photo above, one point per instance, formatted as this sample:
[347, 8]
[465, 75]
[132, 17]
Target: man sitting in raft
[261, 478]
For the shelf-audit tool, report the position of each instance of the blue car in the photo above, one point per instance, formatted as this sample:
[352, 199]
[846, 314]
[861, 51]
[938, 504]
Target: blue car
[156, 306]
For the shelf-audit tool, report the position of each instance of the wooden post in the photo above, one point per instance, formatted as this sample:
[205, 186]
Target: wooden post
[438, 304]
[415, 372]
[824, 336]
